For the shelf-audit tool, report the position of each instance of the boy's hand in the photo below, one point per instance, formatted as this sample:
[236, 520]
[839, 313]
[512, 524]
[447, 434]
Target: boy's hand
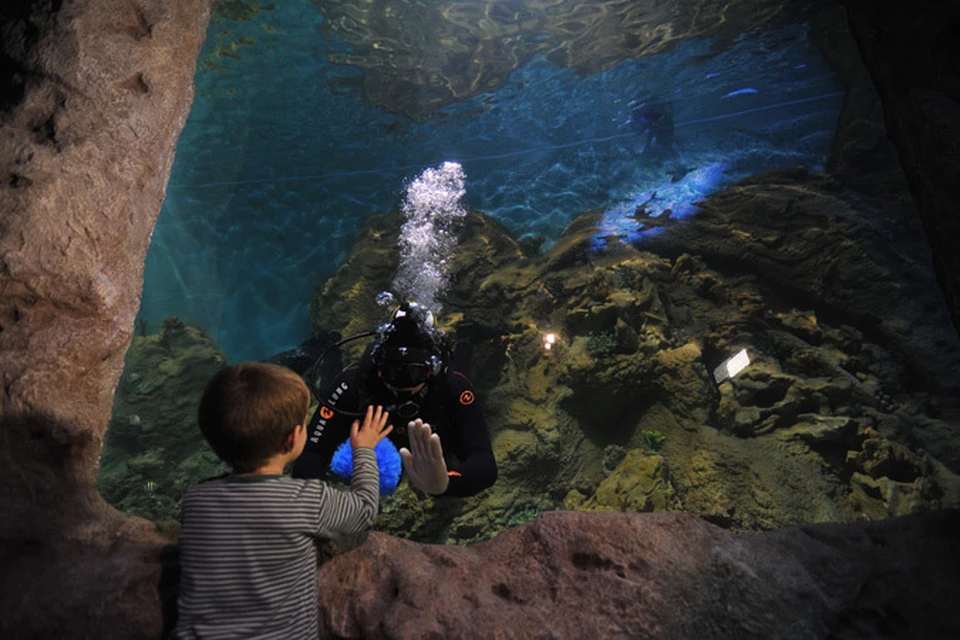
[372, 431]
[425, 465]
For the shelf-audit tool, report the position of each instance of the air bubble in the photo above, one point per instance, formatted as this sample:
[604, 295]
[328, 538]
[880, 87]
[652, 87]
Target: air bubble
[432, 208]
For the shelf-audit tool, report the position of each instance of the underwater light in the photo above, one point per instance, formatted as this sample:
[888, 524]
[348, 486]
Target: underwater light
[549, 339]
[732, 366]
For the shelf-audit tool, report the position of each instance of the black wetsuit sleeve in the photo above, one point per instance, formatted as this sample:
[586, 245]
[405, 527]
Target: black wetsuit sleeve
[470, 441]
[329, 427]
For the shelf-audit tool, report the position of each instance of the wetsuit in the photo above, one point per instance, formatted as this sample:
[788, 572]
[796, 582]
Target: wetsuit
[447, 403]
[654, 122]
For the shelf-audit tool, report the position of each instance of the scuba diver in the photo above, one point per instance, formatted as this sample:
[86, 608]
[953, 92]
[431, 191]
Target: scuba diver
[437, 423]
[653, 122]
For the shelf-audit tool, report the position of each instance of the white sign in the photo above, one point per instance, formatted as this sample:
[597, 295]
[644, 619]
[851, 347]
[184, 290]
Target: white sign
[732, 366]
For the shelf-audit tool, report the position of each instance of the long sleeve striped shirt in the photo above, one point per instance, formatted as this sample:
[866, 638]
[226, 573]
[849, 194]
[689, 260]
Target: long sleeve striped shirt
[248, 560]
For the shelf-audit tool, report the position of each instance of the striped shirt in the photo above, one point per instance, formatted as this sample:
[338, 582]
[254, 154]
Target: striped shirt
[248, 560]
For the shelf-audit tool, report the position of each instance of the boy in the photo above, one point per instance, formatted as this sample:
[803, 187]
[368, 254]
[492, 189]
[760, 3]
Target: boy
[248, 560]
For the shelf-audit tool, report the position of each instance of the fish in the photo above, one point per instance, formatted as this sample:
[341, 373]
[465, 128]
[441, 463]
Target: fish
[741, 92]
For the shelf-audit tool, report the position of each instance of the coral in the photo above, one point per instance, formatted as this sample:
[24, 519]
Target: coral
[639, 483]
[238, 10]
[523, 515]
[601, 344]
[652, 440]
[153, 437]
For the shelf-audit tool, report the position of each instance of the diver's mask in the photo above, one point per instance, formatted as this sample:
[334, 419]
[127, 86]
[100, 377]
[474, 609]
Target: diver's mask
[404, 375]
[404, 367]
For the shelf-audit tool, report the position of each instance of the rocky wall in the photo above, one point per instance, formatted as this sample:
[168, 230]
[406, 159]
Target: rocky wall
[93, 96]
[912, 51]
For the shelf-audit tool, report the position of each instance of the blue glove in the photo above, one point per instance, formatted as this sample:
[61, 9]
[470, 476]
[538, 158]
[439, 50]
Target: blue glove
[388, 461]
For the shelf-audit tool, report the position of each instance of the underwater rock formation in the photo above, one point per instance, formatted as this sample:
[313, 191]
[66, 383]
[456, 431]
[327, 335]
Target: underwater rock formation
[849, 409]
[863, 156]
[154, 451]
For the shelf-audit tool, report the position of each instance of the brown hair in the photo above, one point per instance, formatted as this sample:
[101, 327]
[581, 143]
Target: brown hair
[247, 411]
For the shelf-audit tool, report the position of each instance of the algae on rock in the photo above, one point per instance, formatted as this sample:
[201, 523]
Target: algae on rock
[154, 451]
[639, 334]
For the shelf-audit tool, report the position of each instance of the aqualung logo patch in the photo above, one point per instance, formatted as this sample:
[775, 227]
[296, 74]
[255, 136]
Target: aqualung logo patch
[326, 413]
[467, 398]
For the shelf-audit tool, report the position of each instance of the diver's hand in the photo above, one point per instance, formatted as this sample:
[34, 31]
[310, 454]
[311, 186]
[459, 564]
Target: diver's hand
[424, 460]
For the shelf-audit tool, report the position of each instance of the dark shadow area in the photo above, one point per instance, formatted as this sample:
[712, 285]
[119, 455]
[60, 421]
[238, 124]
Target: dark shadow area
[169, 586]
[64, 551]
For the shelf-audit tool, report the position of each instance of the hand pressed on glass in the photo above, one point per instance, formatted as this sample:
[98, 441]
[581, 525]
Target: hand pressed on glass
[372, 431]
[424, 461]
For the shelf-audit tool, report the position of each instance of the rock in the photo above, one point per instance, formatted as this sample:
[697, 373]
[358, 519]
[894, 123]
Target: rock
[93, 96]
[814, 429]
[915, 71]
[571, 574]
[153, 437]
[682, 377]
[880, 498]
[745, 420]
[640, 482]
[826, 249]
[863, 156]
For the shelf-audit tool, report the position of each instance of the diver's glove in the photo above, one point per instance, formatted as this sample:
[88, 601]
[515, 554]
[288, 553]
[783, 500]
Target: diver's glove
[424, 461]
[388, 461]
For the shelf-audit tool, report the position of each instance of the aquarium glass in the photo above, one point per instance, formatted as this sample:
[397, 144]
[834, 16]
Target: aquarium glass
[311, 116]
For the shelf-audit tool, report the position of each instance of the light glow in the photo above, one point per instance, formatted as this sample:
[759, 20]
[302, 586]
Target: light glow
[732, 366]
[549, 339]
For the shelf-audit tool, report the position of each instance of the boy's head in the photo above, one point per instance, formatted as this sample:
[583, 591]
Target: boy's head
[248, 411]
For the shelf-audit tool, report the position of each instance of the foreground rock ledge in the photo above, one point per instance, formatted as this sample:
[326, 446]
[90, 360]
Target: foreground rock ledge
[577, 575]
[565, 575]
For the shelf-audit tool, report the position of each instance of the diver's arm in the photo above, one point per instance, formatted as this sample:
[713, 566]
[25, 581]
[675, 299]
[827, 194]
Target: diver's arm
[329, 427]
[471, 444]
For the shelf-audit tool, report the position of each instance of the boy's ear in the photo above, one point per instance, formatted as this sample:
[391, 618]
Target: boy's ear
[290, 442]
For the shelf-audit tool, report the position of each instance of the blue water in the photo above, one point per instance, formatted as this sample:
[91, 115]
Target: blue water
[275, 173]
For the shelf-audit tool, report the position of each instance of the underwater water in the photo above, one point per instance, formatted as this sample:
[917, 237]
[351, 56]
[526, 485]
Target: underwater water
[621, 196]
[276, 171]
